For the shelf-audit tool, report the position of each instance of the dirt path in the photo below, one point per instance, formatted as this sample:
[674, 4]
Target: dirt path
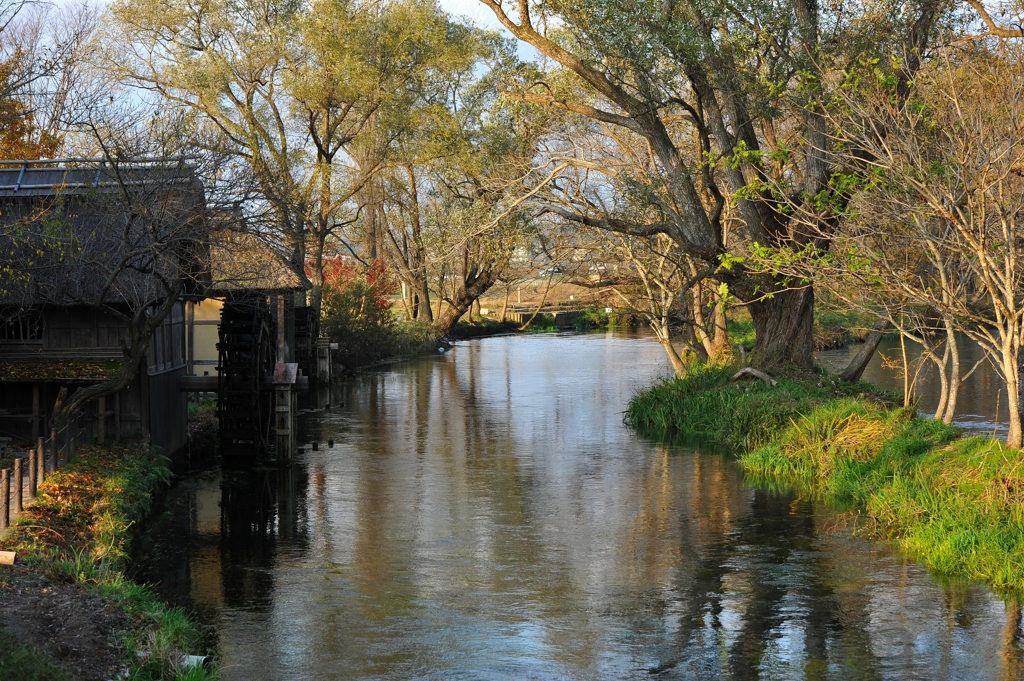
[70, 624]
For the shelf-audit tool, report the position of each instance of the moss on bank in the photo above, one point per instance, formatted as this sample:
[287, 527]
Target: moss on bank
[957, 504]
[79, 532]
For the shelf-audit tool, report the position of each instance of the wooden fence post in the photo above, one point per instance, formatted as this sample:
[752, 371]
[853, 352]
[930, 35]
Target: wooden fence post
[40, 460]
[5, 499]
[18, 485]
[33, 474]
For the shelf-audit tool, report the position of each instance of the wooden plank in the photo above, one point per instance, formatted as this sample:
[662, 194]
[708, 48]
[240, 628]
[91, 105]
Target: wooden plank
[212, 384]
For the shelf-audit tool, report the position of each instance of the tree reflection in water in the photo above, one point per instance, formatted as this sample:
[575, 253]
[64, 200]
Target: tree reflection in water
[485, 514]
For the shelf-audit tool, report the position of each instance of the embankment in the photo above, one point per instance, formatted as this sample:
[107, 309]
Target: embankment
[954, 503]
[68, 610]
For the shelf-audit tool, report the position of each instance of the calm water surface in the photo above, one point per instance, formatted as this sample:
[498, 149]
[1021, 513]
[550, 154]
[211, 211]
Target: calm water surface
[486, 515]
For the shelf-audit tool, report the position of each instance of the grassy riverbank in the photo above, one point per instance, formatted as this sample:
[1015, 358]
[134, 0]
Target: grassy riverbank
[74, 545]
[957, 504]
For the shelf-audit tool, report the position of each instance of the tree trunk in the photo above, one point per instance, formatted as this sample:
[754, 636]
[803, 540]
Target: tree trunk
[316, 277]
[664, 334]
[943, 367]
[954, 373]
[136, 352]
[504, 307]
[424, 311]
[856, 367]
[463, 299]
[1011, 369]
[784, 329]
[720, 345]
[543, 299]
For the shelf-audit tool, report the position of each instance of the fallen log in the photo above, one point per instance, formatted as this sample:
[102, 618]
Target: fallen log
[754, 373]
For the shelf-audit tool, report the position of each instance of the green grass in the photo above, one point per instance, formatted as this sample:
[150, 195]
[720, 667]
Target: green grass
[26, 662]
[956, 504]
[80, 531]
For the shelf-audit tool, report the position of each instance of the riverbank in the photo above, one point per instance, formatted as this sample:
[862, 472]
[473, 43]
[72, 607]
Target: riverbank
[954, 503]
[68, 610]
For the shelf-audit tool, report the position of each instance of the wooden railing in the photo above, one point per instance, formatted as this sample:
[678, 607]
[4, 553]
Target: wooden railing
[19, 482]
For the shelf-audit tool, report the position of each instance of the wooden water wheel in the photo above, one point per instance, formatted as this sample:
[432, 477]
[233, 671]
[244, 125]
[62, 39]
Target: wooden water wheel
[245, 363]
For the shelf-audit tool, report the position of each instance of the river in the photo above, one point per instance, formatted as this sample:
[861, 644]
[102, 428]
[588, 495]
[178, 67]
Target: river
[485, 514]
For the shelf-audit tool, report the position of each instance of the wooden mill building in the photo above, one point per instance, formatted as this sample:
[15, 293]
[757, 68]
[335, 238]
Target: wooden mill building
[90, 242]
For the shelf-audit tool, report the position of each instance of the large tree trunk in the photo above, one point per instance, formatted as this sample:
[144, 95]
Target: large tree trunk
[784, 329]
[664, 333]
[464, 297]
[954, 373]
[140, 335]
[316, 277]
[711, 331]
[424, 311]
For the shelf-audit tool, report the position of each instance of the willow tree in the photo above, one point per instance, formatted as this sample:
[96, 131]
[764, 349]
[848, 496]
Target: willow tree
[459, 179]
[289, 87]
[739, 87]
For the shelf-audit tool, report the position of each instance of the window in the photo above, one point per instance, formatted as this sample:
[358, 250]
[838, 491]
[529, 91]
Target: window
[21, 326]
[167, 346]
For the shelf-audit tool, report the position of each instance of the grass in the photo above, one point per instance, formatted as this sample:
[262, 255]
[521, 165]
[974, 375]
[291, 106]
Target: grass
[80, 531]
[26, 662]
[956, 504]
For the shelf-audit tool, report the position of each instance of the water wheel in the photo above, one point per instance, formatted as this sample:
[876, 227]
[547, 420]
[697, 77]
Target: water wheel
[245, 363]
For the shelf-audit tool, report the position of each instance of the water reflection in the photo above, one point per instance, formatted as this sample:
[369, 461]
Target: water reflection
[486, 515]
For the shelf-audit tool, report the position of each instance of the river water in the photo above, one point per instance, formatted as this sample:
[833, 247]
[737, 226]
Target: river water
[485, 514]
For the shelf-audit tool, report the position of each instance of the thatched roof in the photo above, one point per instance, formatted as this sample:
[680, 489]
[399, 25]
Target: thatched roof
[72, 234]
[242, 261]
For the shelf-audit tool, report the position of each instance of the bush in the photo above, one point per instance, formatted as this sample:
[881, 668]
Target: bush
[357, 315]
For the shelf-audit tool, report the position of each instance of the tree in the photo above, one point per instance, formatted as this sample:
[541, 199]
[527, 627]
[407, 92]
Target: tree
[42, 57]
[459, 180]
[738, 88]
[124, 238]
[937, 220]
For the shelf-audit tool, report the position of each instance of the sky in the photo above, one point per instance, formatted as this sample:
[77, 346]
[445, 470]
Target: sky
[474, 10]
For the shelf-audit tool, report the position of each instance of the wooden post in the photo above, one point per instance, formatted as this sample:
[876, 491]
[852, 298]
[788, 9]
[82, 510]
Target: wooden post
[33, 474]
[5, 499]
[101, 424]
[35, 411]
[18, 485]
[40, 460]
[52, 464]
[280, 329]
[284, 422]
[190, 339]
